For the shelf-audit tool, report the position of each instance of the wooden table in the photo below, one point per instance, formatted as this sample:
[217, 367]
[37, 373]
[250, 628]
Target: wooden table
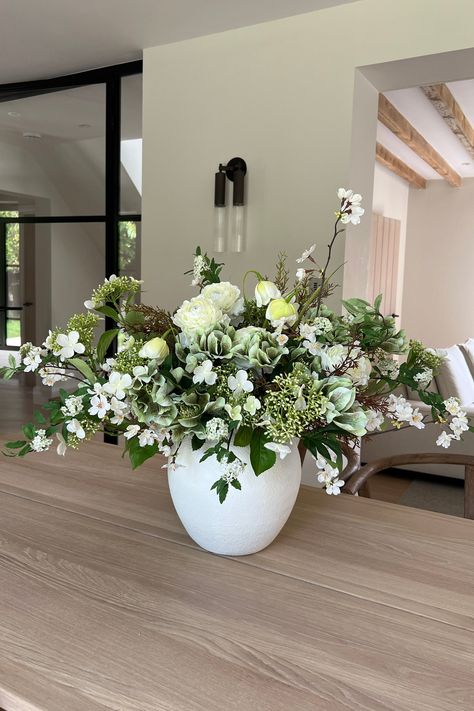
[105, 603]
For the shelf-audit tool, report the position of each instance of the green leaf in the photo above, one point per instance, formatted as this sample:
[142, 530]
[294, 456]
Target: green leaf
[196, 443]
[261, 458]
[39, 417]
[138, 454]
[378, 302]
[216, 484]
[17, 444]
[104, 342]
[12, 361]
[134, 318]
[84, 369]
[29, 430]
[236, 484]
[26, 449]
[108, 311]
[223, 492]
[243, 436]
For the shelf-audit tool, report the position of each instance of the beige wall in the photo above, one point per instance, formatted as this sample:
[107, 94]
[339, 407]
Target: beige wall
[280, 95]
[438, 294]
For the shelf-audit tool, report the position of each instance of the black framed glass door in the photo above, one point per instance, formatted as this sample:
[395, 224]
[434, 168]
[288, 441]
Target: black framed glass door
[78, 210]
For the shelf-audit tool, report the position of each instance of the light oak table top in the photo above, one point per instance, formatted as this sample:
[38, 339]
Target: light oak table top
[105, 603]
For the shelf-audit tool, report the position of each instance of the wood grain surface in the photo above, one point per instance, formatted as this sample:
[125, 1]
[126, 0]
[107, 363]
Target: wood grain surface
[106, 603]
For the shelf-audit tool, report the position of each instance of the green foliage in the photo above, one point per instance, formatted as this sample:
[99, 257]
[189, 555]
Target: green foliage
[205, 269]
[84, 369]
[105, 341]
[261, 458]
[138, 454]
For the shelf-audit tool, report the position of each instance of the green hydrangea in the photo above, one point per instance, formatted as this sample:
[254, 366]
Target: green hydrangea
[112, 290]
[423, 358]
[90, 427]
[258, 349]
[85, 324]
[129, 358]
[293, 404]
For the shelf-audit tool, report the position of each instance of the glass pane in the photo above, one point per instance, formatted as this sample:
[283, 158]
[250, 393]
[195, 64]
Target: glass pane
[131, 146]
[13, 336]
[129, 248]
[52, 152]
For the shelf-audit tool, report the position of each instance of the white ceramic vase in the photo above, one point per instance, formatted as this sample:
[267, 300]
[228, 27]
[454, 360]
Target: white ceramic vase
[248, 520]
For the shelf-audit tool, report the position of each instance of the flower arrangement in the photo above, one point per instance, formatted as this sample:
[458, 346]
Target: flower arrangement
[260, 371]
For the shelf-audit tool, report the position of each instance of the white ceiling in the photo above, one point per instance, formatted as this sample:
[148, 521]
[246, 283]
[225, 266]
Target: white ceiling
[54, 37]
[419, 111]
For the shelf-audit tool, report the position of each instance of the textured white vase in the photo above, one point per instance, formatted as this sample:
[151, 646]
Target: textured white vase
[249, 519]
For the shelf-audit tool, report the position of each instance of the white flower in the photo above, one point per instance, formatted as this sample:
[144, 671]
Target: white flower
[308, 331]
[360, 374]
[67, 345]
[281, 449]
[62, 446]
[32, 359]
[240, 383]
[265, 291]
[322, 325]
[444, 440]
[452, 405]
[458, 425]
[281, 339]
[117, 385]
[389, 368]
[204, 374]
[198, 268]
[252, 404]
[300, 402]
[307, 253]
[416, 419]
[147, 438]
[131, 431]
[232, 470]
[331, 356]
[334, 487]
[40, 443]
[99, 406]
[375, 420]
[73, 406]
[120, 410]
[199, 315]
[91, 305]
[225, 296]
[300, 274]
[75, 427]
[216, 429]
[156, 349]
[108, 365]
[424, 377]
[234, 412]
[51, 375]
[350, 210]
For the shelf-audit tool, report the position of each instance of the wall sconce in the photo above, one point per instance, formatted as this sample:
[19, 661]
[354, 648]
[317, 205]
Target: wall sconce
[235, 171]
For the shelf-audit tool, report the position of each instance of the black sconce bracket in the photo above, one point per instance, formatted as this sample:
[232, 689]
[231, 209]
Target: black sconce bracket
[233, 165]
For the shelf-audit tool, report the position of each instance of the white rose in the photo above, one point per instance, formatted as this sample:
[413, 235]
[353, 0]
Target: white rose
[199, 315]
[225, 296]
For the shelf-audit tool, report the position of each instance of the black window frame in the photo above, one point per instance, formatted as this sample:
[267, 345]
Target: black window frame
[112, 78]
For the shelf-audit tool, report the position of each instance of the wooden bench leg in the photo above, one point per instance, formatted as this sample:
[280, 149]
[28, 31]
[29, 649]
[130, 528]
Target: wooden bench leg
[469, 492]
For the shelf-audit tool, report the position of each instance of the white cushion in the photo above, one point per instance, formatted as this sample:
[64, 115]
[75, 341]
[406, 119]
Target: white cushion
[468, 350]
[454, 377]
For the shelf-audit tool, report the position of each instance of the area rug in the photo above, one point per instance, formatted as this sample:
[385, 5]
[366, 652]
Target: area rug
[444, 496]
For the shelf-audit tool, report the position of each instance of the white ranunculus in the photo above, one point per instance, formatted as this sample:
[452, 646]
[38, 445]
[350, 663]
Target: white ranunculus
[360, 374]
[198, 315]
[265, 291]
[225, 296]
[156, 349]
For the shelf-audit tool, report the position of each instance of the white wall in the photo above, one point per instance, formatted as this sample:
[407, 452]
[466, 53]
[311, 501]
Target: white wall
[280, 95]
[390, 199]
[438, 291]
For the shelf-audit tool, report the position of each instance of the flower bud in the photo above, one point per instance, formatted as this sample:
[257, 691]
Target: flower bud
[157, 349]
[265, 291]
[280, 310]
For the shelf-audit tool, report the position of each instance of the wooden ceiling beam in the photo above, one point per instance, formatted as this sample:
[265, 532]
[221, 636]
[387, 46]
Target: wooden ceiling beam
[398, 124]
[398, 167]
[449, 109]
